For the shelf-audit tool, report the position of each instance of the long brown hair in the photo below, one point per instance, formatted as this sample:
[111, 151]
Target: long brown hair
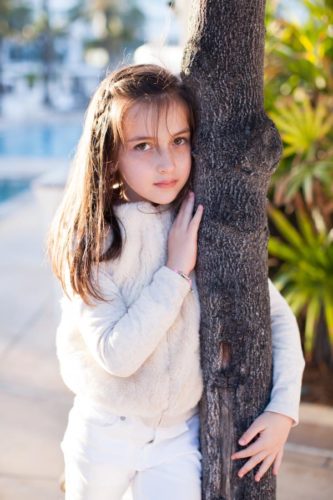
[77, 234]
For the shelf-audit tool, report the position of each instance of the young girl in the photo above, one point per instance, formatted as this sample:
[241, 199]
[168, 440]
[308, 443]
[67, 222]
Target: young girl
[124, 245]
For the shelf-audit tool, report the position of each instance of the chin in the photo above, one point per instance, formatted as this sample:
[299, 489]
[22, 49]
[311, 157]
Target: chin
[166, 200]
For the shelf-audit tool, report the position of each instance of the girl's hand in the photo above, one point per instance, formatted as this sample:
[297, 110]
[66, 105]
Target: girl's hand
[273, 429]
[183, 236]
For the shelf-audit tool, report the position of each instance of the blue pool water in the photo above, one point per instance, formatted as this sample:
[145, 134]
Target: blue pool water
[35, 140]
[12, 187]
[38, 140]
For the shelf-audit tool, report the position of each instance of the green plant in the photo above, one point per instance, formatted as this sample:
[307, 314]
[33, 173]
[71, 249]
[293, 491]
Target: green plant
[298, 98]
[302, 178]
[302, 126]
[307, 165]
[299, 51]
[306, 270]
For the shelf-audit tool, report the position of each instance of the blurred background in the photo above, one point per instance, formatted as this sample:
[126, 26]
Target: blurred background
[53, 53]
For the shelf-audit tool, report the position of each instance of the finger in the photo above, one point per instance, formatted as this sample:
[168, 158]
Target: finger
[251, 432]
[264, 467]
[252, 463]
[195, 222]
[184, 203]
[185, 213]
[251, 450]
[277, 462]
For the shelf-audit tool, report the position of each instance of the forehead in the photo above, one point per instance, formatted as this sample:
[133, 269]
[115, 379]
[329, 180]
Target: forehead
[148, 118]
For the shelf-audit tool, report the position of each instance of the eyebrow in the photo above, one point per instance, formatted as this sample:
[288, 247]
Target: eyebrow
[144, 138]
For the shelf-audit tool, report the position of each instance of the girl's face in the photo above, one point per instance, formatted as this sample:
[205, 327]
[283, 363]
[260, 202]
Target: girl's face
[155, 159]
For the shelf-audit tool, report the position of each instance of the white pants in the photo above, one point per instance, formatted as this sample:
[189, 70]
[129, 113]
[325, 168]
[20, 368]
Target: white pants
[104, 456]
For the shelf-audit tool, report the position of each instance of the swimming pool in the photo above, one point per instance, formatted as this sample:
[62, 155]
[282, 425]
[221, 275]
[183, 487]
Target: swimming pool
[28, 141]
[39, 140]
[13, 187]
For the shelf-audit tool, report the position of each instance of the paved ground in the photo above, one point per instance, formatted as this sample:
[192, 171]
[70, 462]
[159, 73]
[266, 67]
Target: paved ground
[34, 402]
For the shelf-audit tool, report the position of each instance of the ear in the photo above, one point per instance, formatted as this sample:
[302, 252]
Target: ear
[117, 176]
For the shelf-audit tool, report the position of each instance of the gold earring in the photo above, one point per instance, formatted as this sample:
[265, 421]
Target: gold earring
[118, 180]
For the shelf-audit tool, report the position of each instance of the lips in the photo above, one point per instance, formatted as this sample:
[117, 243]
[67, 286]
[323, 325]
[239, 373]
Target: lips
[166, 183]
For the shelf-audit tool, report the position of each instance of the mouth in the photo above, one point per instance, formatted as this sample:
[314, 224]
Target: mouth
[166, 184]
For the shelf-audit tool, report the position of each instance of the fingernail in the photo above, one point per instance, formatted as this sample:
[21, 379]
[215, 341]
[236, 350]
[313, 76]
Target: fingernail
[242, 441]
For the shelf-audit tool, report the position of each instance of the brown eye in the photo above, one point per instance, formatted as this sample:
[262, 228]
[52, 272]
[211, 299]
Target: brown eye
[141, 146]
[179, 141]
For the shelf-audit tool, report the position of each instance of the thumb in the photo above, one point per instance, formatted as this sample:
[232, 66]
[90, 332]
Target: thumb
[254, 429]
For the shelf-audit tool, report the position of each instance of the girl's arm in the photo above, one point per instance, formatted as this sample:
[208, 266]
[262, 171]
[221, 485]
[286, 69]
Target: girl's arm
[274, 424]
[119, 338]
[288, 360]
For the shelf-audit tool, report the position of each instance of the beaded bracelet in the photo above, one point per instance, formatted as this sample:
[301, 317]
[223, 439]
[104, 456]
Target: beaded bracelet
[184, 276]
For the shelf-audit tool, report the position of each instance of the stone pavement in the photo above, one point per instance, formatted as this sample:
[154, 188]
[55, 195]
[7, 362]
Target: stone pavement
[34, 402]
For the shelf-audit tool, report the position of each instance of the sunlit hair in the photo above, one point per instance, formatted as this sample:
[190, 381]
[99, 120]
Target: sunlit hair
[76, 239]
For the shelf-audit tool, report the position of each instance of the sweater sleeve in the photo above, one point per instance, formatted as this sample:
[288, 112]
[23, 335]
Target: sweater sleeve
[288, 360]
[119, 338]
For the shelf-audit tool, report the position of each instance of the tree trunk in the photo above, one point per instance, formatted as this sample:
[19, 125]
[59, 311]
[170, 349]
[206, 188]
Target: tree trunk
[236, 149]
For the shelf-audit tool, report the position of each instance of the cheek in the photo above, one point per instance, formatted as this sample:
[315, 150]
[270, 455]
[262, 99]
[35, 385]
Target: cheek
[128, 166]
[136, 173]
[186, 162]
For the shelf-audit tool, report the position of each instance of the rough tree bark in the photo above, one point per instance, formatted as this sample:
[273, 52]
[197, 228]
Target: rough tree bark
[236, 149]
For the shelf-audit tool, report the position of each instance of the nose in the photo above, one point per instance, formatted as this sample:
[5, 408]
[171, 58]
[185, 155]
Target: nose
[165, 161]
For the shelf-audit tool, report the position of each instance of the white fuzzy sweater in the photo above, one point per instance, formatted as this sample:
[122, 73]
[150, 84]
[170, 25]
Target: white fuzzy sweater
[138, 354]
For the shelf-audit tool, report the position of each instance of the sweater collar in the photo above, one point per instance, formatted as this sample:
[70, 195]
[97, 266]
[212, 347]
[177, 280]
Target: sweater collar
[140, 207]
